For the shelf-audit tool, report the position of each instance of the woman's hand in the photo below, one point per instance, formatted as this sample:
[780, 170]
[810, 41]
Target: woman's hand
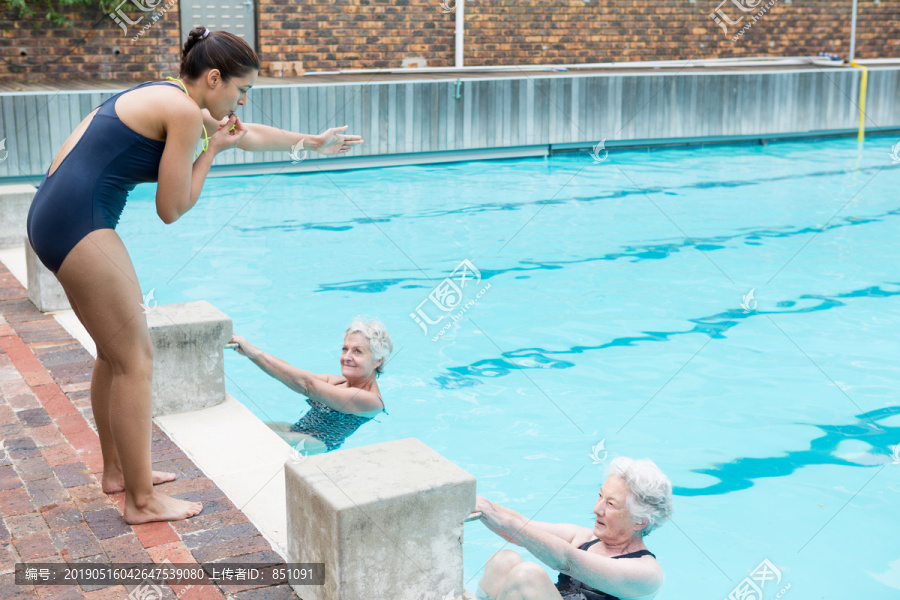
[489, 513]
[334, 142]
[228, 135]
[244, 348]
[486, 509]
[494, 518]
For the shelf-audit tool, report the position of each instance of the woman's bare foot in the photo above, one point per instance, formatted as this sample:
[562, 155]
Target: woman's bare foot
[160, 507]
[113, 484]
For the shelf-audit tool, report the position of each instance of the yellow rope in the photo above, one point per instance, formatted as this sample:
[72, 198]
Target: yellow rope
[862, 100]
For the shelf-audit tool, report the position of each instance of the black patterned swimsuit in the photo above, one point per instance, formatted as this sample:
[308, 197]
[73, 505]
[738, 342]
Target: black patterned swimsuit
[572, 589]
[329, 425]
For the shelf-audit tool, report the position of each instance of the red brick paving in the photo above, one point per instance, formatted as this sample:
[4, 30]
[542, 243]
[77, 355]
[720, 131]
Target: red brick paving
[30, 547]
[23, 525]
[111, 593]
[198, 592]
[59, 454]
[50, 497]
[174, 552]
[15, 502]
[155, 534]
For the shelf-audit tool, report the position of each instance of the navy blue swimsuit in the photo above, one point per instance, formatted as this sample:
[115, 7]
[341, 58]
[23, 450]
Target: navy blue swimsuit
[89, 188]
[572, 589]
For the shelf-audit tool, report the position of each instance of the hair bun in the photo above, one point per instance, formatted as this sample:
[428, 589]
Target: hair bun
[220, 50]
[196, 34]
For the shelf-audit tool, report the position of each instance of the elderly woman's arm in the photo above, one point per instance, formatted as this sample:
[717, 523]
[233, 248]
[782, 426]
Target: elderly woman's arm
[622, 578]
[631, 578]
[316, 387]
[564, 531]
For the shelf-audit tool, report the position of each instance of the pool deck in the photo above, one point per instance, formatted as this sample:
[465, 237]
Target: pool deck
[50, 467]
[386, 75]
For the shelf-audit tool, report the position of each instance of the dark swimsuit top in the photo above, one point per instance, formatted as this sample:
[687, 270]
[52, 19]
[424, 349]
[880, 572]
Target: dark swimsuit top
[114, 158]
[568, 585]
[89, 187]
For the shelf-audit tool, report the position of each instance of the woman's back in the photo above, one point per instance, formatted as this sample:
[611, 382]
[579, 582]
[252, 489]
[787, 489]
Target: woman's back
[87, 185]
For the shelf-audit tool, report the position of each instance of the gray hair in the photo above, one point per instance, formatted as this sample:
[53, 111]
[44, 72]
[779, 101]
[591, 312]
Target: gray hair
[379, 340]
[650, 492]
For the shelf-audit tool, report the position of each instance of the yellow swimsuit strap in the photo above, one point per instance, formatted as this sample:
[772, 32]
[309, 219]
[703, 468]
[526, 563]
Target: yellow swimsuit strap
[205, 141]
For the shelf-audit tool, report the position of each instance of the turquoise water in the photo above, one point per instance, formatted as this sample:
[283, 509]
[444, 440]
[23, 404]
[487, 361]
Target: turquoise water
[610, 309]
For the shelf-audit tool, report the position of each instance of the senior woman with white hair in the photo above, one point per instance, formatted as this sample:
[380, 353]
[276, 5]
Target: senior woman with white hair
[635, 499]
[339, 404]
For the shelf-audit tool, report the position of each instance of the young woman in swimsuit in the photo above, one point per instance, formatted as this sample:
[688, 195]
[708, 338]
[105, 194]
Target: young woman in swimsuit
[145, 134]
[635, 499]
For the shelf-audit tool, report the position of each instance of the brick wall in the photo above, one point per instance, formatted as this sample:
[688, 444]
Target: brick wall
[356, 34]
[94, 48]
[342, 34]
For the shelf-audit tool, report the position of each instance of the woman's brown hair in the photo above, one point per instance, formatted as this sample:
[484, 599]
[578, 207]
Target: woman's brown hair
[205, 50]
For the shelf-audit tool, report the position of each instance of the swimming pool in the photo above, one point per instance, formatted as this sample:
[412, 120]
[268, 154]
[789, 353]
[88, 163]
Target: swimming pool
[605, 302]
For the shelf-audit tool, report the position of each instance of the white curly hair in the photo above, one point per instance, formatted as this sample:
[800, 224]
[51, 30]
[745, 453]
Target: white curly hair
[379, 339]
[650, 492]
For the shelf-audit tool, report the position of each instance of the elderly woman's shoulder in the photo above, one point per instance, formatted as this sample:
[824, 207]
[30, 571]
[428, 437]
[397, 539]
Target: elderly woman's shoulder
[583, 537]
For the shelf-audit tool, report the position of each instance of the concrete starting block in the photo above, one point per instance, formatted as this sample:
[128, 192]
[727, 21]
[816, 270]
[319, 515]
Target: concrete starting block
[44, 289]
[386, 520]
[188, 356]
[15, 200]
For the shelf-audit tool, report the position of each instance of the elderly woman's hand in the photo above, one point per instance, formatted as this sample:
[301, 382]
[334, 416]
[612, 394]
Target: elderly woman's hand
[496, 518]
[244, 348]
[488, 511]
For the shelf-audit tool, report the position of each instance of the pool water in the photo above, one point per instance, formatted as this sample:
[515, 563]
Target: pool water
[605, 310]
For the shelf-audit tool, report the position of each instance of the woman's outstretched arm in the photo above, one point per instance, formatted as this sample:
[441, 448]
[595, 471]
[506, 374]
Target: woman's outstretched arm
[565, 531]
[263, 138]
[316, 387]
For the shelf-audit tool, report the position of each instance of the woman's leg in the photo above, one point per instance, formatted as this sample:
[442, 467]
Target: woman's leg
[98, 275]
[508, 577]
[279, 427]
[101, 382]
[528, 581]
[496, 569]
[311, 445]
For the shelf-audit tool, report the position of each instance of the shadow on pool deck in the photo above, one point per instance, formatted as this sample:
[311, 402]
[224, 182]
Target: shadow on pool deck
[50, 465]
